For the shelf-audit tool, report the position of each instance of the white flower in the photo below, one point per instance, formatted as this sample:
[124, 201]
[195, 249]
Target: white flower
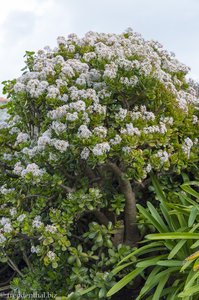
[100, 131]
[131, 82]
[19, 87]
[72, 117]
[121, 115]
[4, 190]
[22, 137]
[111, 71]
[85, 153]
[4, 221]
[64, 98]
[187, 145]
[130, 130]
[34, 169]
[53, 92]
[116, 140]
[148, 168]
[194, 119]
[2, 238]
[51, 228]
[34, 249]
[18, 168]
[36, 223]
[7, 228]
[162, 128]
[43, 141]
[84, 132]
[51, 255]
[126, 149]
[61, 40]
[151, 129]
[13, 211]
[101, 149]
[89, 56]
[7, 156]
[167, 120]
[21, 218]
[14, 130]
[163, 156]
[78, 105]
[60, 145]
[58, 127]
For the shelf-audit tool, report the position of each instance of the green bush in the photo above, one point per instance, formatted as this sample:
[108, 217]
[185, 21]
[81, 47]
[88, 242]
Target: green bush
[89, 120]
[168, 262]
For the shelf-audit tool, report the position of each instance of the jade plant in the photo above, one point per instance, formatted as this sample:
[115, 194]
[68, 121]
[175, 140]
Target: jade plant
[88, 122]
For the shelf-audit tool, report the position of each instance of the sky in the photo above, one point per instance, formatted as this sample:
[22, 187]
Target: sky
[34, 24]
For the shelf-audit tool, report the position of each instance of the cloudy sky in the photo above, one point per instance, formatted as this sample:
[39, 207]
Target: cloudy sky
[33, 24]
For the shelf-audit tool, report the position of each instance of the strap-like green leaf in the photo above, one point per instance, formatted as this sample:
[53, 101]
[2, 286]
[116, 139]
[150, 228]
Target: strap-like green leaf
[173, 236]
[190, 292]
[150, 218]
[170, 263]
[159, 192]
[124, 281]
[141, 250]
[160, 287]
[156, 215]
[176, 249]
[190, 191]
[150, 262]
[193, 214]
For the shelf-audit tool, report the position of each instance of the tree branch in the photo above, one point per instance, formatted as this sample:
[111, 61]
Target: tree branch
[101, 217]
[67, 188]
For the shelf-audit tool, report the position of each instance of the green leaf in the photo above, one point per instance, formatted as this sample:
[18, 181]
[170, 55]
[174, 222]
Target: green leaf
[121, 267]
[124, 281]
[47, 241]
[149, 284]
[176, 249]
[150, 218]
[191, 183]
[195, 245]
[54, 265]
[160, 287]
[159, 192]
[170, 263]
[173, 236]
[141, 250]
[192, 216]
[87, 290]
[167, 216]
[190, 191]
[190, 292]
[102, 293]
[185, 266]
[156, 215]
[149, 262]
[193, 277]
[154, 278]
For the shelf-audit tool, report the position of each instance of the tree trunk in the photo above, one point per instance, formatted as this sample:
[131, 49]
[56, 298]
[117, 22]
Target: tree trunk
[131, 233]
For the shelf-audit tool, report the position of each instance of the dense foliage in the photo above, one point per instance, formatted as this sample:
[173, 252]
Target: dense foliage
[89, 121]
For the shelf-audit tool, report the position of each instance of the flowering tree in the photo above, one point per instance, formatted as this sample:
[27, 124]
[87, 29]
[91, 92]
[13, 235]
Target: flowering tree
[89, 120]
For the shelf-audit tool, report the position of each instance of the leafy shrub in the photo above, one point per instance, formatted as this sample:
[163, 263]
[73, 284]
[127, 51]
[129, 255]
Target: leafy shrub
[168, 262]
[89, 120]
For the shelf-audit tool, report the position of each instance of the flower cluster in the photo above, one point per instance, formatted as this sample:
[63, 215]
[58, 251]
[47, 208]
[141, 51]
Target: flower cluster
[30, 169]
[187, 145]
